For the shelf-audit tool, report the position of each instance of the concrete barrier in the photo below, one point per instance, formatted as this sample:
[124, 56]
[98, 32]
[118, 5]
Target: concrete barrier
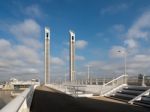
[21, 103]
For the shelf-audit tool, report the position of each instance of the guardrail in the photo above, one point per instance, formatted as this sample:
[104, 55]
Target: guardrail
[113, 85]
[134, 80]
[21, 103]
[147, 92]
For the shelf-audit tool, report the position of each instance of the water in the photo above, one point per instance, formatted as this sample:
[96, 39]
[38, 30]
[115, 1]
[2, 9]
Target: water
[5, 97]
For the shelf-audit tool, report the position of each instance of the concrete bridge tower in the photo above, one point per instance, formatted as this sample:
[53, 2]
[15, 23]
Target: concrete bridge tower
[72, 57]
[47, 55]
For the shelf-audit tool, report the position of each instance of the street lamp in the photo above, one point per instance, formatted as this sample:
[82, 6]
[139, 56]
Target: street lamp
[88, 66]
[125, 61]
[74, 77]
[65, 77]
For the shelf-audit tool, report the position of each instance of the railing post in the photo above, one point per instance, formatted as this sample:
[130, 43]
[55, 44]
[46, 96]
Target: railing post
[91, 81]
[101, 90]
[143, 81]
[82, 82]
[103, 80]
[113, 83]
[126, 79]
[96, 81]
[87, 82]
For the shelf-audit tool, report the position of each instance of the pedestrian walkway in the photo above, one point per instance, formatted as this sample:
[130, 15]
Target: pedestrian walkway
[49, 100]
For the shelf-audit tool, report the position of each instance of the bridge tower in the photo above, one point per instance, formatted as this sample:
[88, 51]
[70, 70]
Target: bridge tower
[47, 55]
[72, 57]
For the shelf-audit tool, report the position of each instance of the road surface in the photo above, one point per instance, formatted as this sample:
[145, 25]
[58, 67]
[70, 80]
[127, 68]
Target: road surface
[49, 100]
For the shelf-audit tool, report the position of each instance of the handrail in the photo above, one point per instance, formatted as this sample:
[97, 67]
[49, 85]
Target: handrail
[114, 80]
[139, 96]
[112, 85]
[15, 104]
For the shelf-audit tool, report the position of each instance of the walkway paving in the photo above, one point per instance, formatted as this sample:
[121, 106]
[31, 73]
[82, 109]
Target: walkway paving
[50, 100]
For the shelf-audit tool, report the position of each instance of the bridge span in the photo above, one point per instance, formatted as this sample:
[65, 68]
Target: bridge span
[46, 99]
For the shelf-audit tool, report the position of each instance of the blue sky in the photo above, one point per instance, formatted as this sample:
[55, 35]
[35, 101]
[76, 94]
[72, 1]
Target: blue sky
[102, 28]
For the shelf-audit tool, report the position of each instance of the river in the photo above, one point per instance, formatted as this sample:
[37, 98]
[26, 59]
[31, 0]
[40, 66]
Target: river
[5, 97]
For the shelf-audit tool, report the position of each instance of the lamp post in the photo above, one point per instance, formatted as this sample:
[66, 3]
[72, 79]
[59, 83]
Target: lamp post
[75, 77]
[125, 61]
[88, 71]
[65, 77]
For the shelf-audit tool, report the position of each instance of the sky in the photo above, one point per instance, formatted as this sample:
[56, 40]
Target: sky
[102, 29]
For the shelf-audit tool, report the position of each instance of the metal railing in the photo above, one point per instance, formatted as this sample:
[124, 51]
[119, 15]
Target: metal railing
[113, 85]
[21, 103]
[134, 80]
[71, 89]
[147, 92]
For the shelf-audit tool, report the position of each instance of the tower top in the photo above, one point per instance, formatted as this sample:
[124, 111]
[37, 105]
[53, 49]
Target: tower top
[72, 35]
[47, 33]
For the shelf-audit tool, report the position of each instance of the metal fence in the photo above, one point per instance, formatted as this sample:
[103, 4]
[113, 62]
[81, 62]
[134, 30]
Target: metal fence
[135, 80]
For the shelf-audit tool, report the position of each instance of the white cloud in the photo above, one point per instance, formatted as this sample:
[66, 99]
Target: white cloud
[28, 54]
[27, 32]
[6, 49]
[57, 61]
[141, 28]
[4, 44]
[3, 64]
[95, 63]
[27, 29]
[141, 58]
[131, 43]
[114, 8]
[22, 57]
[119, 28]
[81, 44]
[35, 43]
[14, 59]
[80, 58]
[101, 68]
[138, 63]
[34, 10]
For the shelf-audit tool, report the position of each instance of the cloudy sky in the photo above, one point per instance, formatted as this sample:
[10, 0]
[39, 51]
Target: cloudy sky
[102, 29]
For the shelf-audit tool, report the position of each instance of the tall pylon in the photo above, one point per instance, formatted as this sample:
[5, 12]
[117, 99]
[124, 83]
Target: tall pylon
[72, 57]
[47, 55]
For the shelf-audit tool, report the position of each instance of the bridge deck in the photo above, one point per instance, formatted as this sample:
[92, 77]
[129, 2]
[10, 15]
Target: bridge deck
[50, 100]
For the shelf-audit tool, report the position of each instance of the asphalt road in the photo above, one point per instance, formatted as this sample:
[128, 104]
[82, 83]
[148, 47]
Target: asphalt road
[49, 100]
